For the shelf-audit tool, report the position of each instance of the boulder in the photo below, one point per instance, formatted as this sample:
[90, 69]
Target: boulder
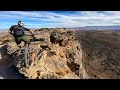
[11, 48]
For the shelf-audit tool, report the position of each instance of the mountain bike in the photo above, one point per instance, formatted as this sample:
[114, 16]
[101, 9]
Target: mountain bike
[27, 51]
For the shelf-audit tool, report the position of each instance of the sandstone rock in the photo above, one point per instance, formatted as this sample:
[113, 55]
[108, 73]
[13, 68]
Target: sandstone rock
[6, 39]
[11, 48]
[59, 55]
[58, 37]
[70, 76]
[50, 61]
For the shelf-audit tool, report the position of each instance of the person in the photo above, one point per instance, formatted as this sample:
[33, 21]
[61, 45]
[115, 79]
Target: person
[18, 32]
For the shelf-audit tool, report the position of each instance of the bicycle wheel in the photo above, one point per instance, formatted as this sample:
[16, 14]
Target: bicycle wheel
[26, 55]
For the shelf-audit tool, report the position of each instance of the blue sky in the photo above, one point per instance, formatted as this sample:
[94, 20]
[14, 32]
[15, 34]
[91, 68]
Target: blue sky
[39, 19]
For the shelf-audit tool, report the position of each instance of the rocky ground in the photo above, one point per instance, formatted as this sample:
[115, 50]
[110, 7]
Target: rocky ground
[7, 69]
[55, 56]
[61, 54]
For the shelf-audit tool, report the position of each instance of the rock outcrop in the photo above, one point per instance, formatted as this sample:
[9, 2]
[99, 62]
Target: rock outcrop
[64, 54]
[57, 56]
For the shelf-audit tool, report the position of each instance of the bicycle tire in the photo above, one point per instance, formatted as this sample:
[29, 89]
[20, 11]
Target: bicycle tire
[26, 55]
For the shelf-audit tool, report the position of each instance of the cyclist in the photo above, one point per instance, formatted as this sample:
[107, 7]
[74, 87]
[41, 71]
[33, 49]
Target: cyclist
[18, 32]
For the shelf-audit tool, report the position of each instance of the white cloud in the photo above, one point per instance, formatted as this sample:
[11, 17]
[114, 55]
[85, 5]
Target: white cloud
[73, 19]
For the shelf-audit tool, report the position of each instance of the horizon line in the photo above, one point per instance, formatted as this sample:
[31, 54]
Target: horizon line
[62, 27]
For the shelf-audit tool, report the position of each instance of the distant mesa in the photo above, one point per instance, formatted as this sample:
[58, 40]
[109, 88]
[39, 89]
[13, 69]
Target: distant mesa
[98, 28]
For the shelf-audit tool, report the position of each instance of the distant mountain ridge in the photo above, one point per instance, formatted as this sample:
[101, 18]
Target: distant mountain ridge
[113, 27]
[98, 27]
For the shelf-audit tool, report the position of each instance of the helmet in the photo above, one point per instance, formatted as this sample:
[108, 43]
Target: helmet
[20, 22]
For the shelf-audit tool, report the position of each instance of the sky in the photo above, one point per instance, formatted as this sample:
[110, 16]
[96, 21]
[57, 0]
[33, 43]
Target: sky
[61, 19]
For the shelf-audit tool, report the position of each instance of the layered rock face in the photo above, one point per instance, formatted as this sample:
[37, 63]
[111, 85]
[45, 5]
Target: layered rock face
[57, 56]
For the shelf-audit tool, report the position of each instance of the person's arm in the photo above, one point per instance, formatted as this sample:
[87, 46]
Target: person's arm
[10, 30]
[28, 30]
[31, 31]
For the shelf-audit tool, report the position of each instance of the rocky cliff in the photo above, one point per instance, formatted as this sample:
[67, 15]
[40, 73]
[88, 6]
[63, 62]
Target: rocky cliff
[56, 56]
[59, 55]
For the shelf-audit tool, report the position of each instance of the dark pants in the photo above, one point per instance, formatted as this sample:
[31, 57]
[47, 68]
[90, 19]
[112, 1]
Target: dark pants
[22, 38]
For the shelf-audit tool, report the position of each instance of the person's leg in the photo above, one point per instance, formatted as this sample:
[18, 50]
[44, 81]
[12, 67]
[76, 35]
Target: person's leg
[25, 39]
[17, 40]
[27, 42]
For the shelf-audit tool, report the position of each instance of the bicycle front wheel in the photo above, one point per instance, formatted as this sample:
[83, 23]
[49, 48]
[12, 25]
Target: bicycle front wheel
[26, 55]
